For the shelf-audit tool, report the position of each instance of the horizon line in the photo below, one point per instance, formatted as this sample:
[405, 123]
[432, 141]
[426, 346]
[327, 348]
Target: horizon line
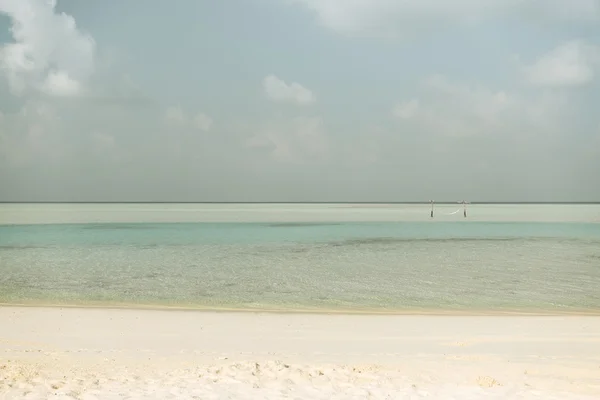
[302, 202]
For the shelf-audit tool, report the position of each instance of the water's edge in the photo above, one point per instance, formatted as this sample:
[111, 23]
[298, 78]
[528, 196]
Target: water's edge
[311, 311]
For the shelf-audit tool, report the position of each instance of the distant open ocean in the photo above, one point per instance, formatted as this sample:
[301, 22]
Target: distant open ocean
[312, 257]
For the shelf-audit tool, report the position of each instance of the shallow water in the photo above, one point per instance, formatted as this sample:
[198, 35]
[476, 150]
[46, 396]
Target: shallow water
[313, 257]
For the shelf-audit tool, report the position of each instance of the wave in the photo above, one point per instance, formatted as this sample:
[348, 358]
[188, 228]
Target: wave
[391, 240]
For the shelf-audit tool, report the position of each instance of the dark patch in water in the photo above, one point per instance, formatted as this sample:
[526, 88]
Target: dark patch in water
[300, 250]
[118, 226]
[148, 246]
[22, 247]
[299, 224]
[390, 240]
[102, 283]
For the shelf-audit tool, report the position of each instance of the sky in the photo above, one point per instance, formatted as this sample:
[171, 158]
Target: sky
[300, 100]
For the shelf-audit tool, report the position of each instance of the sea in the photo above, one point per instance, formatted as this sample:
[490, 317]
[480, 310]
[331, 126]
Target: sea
[374, 258]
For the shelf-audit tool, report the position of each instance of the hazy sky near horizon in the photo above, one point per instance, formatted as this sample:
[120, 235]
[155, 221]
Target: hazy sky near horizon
[300, 100]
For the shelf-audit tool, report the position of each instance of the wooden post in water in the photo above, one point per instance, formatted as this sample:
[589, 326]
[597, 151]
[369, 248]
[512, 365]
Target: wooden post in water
[464, 203]
[431, 201]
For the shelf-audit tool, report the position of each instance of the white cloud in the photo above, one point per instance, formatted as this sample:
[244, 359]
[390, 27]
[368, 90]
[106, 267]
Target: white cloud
[175, 115]
[521, 137]
[49, 53]
[38, 111]
[60, 84]
[406, 110]
[456, 110]
[203, 122]
[31, 134]
[404, 17]
[570, 64]
[296, 140]
[279, 91]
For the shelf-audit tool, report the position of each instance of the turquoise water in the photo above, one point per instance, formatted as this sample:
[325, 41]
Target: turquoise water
[299, 263]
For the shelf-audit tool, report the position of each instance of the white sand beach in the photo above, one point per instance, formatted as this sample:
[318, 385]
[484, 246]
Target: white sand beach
[76, 353]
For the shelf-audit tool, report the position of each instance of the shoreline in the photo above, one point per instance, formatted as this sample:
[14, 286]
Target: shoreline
[308, 311]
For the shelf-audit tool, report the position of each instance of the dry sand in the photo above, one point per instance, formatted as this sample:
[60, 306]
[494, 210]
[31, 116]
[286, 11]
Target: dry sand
[145, 354]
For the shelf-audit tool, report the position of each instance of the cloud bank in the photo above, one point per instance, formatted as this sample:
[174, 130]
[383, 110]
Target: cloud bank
[371, 101]
[49, 52]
